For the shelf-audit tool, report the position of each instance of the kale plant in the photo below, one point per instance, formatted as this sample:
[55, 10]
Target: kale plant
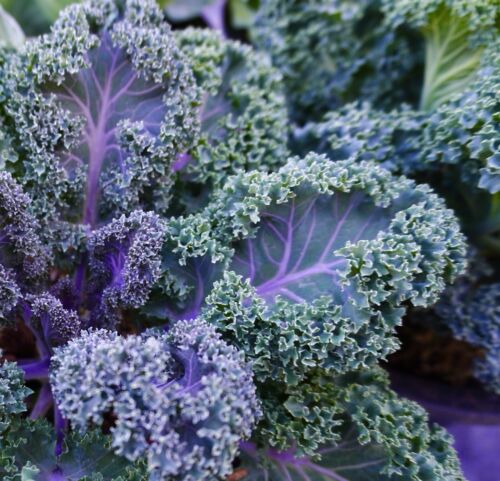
[446, 135]
[183, 298]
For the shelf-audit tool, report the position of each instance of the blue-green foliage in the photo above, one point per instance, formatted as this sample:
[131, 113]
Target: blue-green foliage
[185, 298]
[27, 447]
[383, 437]
[451, 138]
[183, 399]
[333, 52]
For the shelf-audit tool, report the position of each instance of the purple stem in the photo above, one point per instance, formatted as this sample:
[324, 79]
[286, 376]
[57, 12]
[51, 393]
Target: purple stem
[189, 315]
[80, 277]
[41, 344]
[180, 162]
[43, 402]
[248, 447]
[278, 281]
[38, 369]
[56, 475]
[97, 144]
[288, 458]
[60, 426]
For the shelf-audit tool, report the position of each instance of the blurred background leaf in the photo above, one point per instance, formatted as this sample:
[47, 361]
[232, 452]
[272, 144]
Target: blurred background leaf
[242, 12]
[35, 16]
[11, 34]
[238, 14]
[183, 10]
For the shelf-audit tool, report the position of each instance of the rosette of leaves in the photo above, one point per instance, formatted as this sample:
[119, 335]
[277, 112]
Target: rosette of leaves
[122, 264]
[182, 399]
[331, 53]
[309, 268]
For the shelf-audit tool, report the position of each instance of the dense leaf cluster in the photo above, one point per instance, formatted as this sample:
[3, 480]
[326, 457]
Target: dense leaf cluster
[207, 248]
[448, 137]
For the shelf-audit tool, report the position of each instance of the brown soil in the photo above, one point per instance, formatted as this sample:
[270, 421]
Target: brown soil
[426, 352]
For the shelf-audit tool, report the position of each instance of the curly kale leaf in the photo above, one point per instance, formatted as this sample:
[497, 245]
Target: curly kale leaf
[325, 254]
[27, 447]
[124, 264]
[23, 257]
[358, 130]
[46, 314]
[27, 453]
[378, 436]
[457, 121]
[99, 109]
[182, 399]
[464, 132]
[12, 393]
[455, 146]
[243, 112]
